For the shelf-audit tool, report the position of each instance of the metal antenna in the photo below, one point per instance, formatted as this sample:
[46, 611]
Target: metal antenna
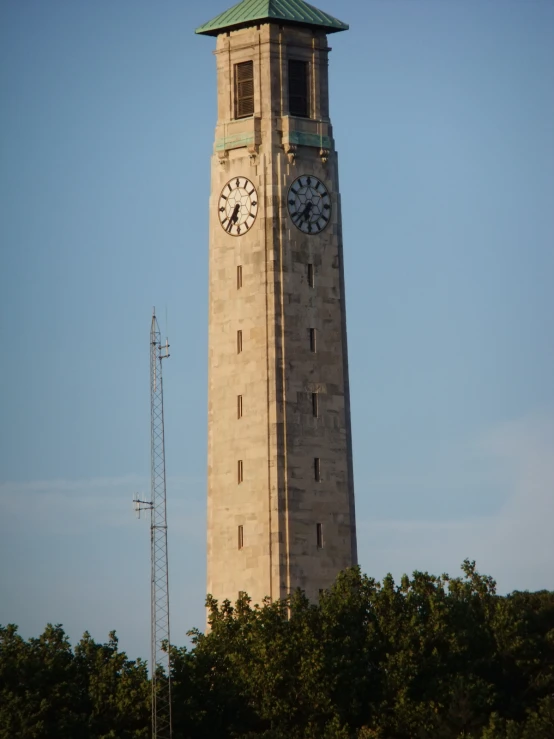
[159, 582]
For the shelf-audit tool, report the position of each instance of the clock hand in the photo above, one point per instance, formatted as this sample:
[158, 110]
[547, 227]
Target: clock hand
[234, 218]
[303, 214]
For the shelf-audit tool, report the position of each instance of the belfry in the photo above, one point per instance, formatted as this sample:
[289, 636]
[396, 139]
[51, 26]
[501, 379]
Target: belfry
[280, 484]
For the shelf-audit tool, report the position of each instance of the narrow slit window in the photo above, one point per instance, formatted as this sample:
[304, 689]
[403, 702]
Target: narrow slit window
[317, 469]
[313, 344]
[244, 89]
[311, 275]
[315, 404]
[239, 406]
[240, 471]
[239, 342]
[319, 537]
[241, 538]
[239, 277]
[299, 100]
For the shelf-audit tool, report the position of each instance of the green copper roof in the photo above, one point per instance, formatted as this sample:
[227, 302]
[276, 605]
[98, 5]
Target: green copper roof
[248, 12]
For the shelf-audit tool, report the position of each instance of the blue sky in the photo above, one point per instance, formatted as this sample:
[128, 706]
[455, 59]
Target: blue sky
[444, 123]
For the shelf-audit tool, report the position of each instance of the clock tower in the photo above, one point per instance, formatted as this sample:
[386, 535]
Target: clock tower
[280, 485]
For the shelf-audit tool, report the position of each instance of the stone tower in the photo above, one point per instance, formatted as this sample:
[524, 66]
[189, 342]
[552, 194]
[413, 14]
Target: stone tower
[280, 486]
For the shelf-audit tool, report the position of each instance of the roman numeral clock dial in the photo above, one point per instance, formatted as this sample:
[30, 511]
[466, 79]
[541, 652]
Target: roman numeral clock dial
[309, 204]
[238, 206]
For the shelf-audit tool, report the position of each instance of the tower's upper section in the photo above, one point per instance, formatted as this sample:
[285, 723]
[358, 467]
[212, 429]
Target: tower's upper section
[290, 12]
[272, 78]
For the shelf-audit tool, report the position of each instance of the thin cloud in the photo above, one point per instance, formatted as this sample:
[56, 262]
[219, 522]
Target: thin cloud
[56, 506]
[515, 544]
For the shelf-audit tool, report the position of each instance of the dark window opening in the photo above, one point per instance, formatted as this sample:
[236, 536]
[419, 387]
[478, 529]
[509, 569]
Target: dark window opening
[244, 90]
[315, 404]
[313, 346]
[239, 406]
[311, 275]
[239, 342]
[241, 539]
[317, 470]
[239, 277]
[299, 99]
[240, 471]
[319, 537]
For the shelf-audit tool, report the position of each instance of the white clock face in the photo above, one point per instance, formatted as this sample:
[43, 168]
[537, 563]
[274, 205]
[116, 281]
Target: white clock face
[238, 206]
[309, 204]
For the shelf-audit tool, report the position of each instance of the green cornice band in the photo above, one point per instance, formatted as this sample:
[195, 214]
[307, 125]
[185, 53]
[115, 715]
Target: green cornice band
[234, 141]
[310, 139]
[298, 138]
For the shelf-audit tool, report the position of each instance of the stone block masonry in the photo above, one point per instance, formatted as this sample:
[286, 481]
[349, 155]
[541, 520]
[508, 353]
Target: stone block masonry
[280, 487]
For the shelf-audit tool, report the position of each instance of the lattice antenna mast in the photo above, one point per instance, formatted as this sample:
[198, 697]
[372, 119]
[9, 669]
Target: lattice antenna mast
[159, 583]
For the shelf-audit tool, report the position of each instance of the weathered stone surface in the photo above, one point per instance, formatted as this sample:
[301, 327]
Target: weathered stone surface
[279, 502]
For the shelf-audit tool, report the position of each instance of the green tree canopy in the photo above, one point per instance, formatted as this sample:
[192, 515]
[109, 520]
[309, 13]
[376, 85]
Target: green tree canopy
[48, 690]
[426, 658]
[429, 657]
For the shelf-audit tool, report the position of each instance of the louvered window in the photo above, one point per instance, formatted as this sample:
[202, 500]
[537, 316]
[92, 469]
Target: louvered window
[244, 89]
[299, 100]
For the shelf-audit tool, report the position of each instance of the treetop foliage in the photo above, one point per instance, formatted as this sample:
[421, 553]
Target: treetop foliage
[427, 658]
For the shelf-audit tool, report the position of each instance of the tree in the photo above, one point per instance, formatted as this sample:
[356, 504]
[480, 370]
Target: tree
[117, 690]
[429, 657]
[426, 658]
[39, 692]
[47, 691]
